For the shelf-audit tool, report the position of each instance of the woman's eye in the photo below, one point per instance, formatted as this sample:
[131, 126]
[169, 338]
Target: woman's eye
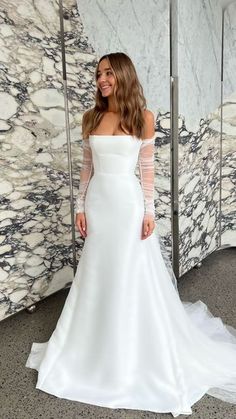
[107, 73]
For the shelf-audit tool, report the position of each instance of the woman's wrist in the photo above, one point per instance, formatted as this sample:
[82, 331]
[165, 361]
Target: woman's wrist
[149, 215]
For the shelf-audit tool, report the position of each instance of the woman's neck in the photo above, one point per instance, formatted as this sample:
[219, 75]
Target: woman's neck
[112, 106]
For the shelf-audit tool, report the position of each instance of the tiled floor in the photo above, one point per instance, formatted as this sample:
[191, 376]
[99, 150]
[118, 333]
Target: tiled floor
[214, 283]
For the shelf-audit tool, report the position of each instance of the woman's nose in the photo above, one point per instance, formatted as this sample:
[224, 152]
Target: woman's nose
[103, 77]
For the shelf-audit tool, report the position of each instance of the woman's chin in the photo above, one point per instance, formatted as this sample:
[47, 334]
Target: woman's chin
[106, 94]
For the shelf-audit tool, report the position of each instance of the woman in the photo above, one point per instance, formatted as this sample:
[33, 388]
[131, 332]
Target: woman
[124, 338]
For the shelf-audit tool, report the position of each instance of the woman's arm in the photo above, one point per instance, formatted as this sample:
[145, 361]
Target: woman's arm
[146, 164]
[85, 176]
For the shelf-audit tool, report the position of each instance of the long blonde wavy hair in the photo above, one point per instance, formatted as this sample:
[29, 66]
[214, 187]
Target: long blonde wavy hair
[129, 96]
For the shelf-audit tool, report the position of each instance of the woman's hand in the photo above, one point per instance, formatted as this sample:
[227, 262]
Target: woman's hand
[80, 222]
[148, 226]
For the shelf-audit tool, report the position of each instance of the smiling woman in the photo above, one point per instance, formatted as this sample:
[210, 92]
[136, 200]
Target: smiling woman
[124, 338]
[120, 103]
[105, 77]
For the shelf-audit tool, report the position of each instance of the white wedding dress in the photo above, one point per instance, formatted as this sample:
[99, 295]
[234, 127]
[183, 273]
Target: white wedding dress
[124, 339]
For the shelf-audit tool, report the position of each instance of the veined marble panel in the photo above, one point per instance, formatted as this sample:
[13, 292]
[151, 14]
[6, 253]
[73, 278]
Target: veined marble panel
[199, 59]
[35, 225]
[228, 180]
[228, 199]
[207, 219]
[162, 192]
[199, 193]
[199, 56]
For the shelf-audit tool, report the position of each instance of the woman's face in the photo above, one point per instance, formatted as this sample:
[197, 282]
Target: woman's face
[105, 78]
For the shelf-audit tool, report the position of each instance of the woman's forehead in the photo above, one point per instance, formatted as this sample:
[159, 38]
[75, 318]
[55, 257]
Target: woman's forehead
[104, 65]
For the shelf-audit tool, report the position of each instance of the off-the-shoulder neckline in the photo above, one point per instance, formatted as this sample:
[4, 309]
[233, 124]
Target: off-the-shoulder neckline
[120, 135]
[110, 135]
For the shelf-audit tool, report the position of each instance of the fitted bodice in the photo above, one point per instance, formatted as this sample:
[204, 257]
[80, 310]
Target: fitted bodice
[117, 155]
[114, 154]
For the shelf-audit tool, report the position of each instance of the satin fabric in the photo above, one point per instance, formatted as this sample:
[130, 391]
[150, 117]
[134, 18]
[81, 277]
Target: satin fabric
[124, 339]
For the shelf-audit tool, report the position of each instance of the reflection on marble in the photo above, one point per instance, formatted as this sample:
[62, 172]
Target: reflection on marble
[35, 225]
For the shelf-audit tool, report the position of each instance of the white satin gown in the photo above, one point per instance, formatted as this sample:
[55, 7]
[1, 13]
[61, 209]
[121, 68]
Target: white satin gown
[124, 339]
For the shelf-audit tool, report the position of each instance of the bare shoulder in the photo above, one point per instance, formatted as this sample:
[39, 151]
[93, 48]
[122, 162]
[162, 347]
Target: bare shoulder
[149, 119]
[148, 115]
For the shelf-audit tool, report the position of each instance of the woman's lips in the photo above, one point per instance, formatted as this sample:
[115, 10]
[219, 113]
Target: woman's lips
[105, 87]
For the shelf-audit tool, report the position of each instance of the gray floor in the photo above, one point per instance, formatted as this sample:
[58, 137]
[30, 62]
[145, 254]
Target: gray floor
[214, 283]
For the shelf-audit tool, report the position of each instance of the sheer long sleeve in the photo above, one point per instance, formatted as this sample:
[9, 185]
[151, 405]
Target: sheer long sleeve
[85, 175]
[146, 171]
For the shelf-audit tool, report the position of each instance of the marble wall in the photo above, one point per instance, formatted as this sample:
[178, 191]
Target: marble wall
[206, 164]
[35, 221]
[228, 197]
[35, 225]
[199, 164]
[199, 62]
[36, 242]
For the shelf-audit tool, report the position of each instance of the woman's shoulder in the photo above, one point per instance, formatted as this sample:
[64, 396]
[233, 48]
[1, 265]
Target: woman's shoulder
[148, 115]
[149, 123]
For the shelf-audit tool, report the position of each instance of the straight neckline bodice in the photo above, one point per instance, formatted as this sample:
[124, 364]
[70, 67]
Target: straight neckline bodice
[110, 135]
